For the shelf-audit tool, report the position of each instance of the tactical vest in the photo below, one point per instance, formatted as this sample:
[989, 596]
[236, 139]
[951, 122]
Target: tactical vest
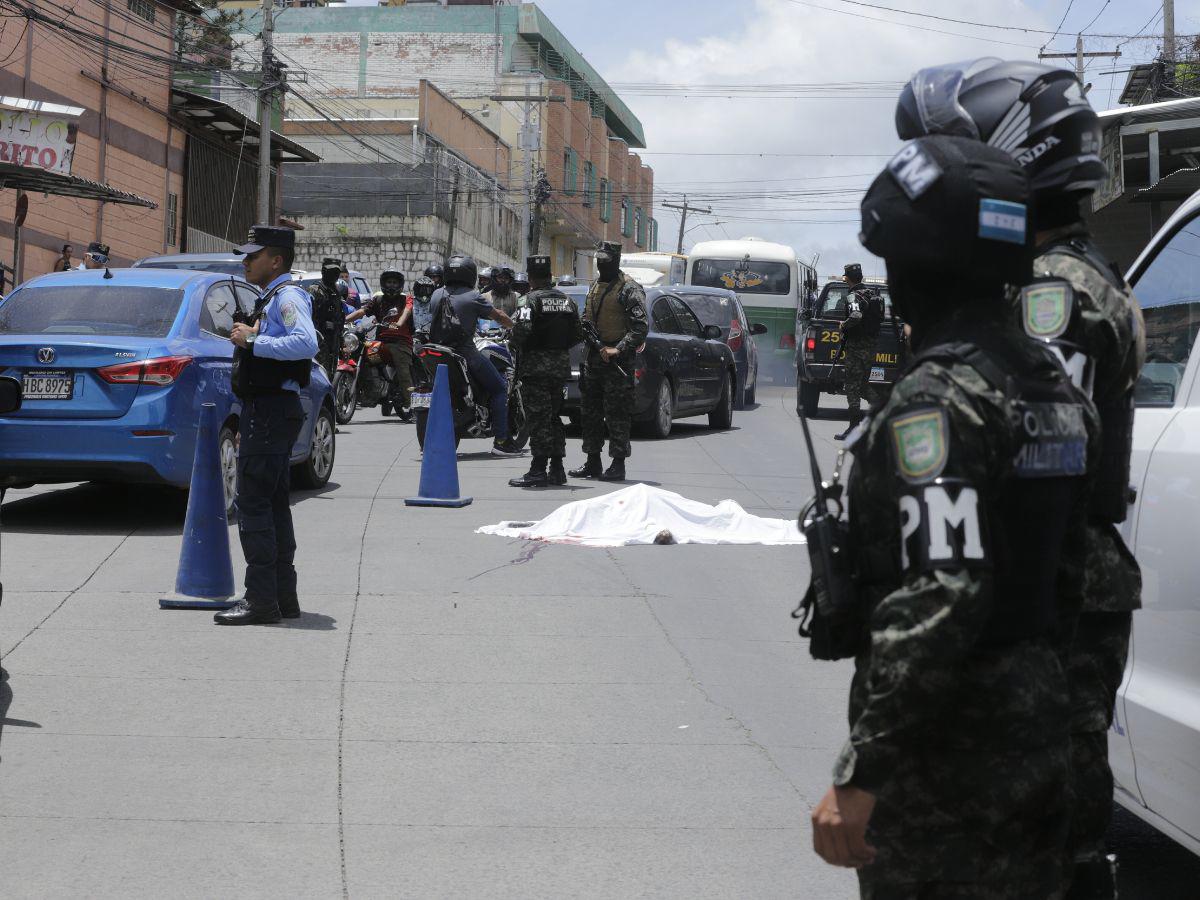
[554, 321]
[605, 311]
[1109, 501]
[872, 318]
[327, 312]
[1029, 513]
[257, 376]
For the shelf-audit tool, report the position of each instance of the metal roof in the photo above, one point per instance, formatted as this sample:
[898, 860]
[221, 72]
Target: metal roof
[221, 119]
[39, 181]
[1152, 112]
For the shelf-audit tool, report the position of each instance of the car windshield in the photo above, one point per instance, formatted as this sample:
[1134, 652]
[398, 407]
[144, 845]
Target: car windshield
[711, 309]
[747, 276]
[833, 301]
[219, 266]
[91, 309]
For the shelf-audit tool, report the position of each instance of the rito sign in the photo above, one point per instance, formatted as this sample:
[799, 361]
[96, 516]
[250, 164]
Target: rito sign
[38, 135]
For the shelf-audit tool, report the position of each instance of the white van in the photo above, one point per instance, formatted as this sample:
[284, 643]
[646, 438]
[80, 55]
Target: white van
[654, 269]
[1154, 743]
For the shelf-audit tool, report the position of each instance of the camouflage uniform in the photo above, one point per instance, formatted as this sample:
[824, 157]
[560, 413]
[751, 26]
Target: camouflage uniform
[959, 716]
[543, 374]
[860, 338]
[1107, 328]
[327, 307]
[618, 310]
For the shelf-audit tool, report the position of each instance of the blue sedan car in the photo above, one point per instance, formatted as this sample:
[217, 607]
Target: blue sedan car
[114, 368]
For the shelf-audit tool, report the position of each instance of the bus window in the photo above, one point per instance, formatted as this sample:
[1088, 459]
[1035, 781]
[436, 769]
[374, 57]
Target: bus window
[746, 276]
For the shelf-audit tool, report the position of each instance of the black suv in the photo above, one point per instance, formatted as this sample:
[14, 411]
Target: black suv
[819, 346]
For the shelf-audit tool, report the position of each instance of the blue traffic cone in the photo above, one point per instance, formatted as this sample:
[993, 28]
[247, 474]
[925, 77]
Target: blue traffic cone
[205, 579]
[439, 464]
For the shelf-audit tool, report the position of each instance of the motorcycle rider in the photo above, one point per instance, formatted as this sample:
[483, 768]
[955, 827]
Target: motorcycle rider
[502, 296]
[328, 314]
[397, 338]
[423, 290]
[435, 273]
[485, 279]
[521, 286]
[457, 309]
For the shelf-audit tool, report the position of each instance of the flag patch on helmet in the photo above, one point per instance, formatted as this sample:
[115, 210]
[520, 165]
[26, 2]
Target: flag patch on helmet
[1002, 220]
[1046, 308]
[914, 170]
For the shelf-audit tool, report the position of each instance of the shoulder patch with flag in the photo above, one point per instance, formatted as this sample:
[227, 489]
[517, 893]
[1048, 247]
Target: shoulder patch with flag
[921, 443]
[1046, 308]
[288, 312]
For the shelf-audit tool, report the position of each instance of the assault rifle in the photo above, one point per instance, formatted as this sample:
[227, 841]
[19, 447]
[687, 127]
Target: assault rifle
[591, 337]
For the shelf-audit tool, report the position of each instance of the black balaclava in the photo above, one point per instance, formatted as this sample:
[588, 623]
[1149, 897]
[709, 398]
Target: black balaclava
[330, 276]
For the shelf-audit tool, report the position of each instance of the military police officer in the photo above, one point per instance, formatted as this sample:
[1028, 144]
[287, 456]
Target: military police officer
[860, 333]
[616, 308]
[546, 327]
[272, 361]
[966, 498]
[329, 314]
[1079, 305]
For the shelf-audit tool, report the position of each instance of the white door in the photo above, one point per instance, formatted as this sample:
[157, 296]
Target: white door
[1159, 711]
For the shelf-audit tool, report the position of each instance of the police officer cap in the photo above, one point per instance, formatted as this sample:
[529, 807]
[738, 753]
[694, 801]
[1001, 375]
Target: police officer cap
[330, 263]
[608, 251]
[95, 248]
[538, 266]
[268, 236]
[950, 204]
[853, 272]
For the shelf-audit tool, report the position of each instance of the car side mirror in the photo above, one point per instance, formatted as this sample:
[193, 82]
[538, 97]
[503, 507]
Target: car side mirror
[10, 395]
[712, 332]
[759, 328]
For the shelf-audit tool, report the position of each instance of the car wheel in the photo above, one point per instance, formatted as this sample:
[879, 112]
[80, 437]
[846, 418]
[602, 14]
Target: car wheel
[421, 419]
[722, 415]
[809, 400]
[739, 396]
[227, 447]
[752, 392]
[314, 472]
[664, 409]
[345, 396]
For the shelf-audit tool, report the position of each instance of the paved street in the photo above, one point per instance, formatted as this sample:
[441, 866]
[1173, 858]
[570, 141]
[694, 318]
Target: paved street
[455, 714]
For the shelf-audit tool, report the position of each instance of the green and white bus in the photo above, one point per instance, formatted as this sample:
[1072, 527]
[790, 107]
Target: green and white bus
[771, 281]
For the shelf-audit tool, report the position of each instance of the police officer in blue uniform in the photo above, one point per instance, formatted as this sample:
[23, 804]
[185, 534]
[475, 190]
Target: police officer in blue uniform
[272, 361]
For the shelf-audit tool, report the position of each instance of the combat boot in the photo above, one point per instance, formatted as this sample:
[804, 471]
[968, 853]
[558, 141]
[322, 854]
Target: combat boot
[615, 470]
[535, 477]
[590, 469]
[856, 416]
[557, 475]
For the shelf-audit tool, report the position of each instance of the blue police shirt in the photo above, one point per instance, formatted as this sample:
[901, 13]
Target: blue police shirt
[286, 331]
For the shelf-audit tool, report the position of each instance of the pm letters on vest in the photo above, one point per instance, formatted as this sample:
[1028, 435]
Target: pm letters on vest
[940, 528]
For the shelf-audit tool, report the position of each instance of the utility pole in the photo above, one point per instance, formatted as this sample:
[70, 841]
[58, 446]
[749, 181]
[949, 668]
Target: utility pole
[266, 94]
[1079, 56]
[684, 207]
[1169, 31]
[453, 215]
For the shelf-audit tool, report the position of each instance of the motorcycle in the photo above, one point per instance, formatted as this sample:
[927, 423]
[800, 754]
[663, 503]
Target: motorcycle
[345, 380]
[468, 401]
[379, 375]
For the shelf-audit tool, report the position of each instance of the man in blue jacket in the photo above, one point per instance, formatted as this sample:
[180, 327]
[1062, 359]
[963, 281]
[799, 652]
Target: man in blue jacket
[272, 361]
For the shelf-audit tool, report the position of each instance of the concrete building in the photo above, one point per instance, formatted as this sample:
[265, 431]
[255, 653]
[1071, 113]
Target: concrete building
[368, 63]
[111, 62]
[403, 191]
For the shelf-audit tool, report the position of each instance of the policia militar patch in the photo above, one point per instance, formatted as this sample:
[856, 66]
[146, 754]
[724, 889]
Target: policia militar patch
[1046, 307]
[920, 443]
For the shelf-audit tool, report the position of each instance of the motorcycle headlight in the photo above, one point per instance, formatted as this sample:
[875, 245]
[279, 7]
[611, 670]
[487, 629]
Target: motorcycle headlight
[350, 342]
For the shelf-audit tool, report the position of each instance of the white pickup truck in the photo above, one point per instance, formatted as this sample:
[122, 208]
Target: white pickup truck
[1154, 742]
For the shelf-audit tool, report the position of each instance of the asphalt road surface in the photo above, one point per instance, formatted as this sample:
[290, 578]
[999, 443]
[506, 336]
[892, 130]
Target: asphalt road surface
[455, 714]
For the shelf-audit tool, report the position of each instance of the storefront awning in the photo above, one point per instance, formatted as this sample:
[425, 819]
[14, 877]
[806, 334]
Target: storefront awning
[39, 181]
[221, 119]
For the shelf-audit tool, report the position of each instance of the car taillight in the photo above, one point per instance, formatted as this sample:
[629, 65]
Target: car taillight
[735, 335]
[810, 344]
[161, 371]
[787, 342]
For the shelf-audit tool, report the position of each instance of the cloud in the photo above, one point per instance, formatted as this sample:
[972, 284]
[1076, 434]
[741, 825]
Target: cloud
[784, 42]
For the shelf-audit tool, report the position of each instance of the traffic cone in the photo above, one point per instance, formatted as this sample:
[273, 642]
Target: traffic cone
[439, 463]
[205, 579]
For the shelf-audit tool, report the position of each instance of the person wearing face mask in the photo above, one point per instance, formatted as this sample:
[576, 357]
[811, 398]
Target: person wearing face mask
[394, 311]
[616, 307]
[502, 294]
[328, 313]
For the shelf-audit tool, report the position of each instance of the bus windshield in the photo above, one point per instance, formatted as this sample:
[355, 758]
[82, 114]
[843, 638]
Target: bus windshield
[747, 276]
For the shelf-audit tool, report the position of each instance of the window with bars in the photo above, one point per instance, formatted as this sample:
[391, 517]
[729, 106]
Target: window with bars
[570, 171]
[589, 184]
[143, 9]
[639, 227]
[626, 217]
[605, 200]
[172, 219]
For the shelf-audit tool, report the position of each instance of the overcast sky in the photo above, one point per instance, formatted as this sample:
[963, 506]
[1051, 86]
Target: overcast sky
[756, 42]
